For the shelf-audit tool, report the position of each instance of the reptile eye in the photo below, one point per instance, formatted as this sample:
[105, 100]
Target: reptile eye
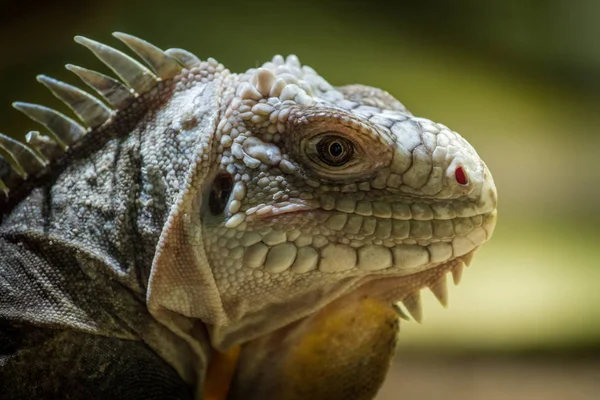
[460, 175]
[219, 194]
[335, 150]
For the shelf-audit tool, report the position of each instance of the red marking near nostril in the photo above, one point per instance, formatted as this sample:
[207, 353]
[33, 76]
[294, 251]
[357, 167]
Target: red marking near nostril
[461, 177]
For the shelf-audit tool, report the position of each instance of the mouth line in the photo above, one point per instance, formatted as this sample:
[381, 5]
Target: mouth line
[387, 238]
[464, 232]
[269, 211]
[264, 212]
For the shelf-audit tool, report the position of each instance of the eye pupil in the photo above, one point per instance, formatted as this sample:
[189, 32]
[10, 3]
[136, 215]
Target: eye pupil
[334, 150]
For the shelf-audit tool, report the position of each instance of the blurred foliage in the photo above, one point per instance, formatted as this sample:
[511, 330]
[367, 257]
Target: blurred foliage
[519, 79]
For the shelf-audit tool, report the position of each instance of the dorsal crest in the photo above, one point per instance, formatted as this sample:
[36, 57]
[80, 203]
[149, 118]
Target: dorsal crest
[29, 162]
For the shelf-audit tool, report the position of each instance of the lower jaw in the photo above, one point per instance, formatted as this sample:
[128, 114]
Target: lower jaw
[357, 328]
[348, 343]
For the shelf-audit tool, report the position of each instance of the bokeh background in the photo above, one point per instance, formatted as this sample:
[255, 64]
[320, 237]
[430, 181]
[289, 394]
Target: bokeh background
[519, 79]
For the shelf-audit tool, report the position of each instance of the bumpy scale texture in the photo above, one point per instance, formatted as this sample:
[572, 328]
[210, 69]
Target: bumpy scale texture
[202, 210]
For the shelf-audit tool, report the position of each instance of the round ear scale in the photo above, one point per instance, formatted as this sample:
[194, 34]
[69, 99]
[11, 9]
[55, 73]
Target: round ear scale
[460, 175]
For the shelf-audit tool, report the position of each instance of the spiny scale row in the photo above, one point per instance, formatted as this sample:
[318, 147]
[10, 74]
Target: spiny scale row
[137, 79]
[439, 288]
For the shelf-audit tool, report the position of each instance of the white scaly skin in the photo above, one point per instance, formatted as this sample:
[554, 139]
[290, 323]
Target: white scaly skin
[250, 234]
[296, 234]
[295, 226]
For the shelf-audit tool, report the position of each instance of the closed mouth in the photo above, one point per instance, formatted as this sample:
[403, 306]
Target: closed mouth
[269, 211]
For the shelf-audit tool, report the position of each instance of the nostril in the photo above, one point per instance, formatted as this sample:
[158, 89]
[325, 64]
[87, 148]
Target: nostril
[220, 192]
[461, 176]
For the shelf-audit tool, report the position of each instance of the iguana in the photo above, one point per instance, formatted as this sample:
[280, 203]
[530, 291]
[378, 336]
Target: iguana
[205, 234]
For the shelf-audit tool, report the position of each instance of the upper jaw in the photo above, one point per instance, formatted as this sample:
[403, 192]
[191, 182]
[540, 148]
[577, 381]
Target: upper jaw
[383, 242]
[465, 224]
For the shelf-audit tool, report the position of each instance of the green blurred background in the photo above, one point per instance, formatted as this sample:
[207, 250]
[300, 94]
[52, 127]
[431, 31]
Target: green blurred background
[520, 80]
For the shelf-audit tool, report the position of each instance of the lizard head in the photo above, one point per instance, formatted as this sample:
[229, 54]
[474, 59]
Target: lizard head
[334, 203]
[320, 191]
